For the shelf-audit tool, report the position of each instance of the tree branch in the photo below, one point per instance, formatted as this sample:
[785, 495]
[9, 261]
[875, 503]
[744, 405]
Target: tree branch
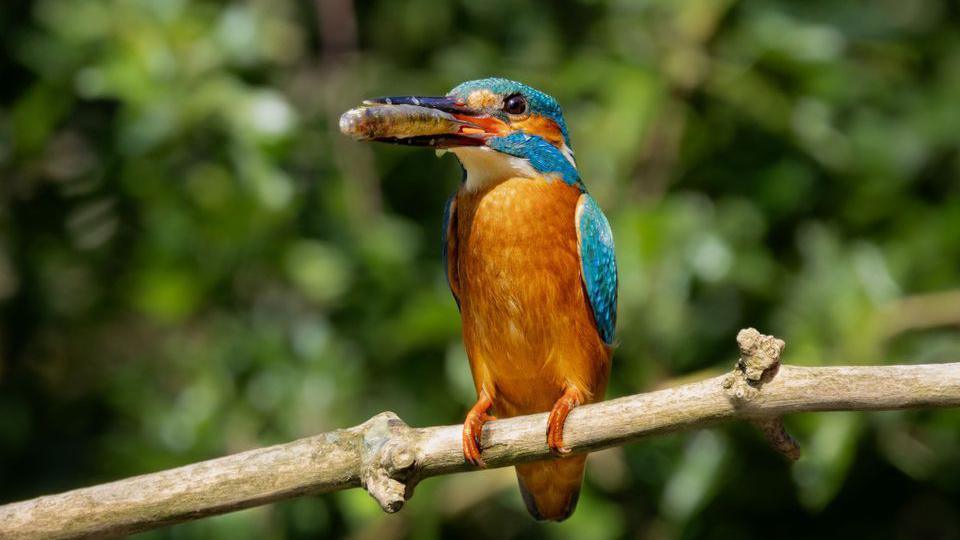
[388, 458]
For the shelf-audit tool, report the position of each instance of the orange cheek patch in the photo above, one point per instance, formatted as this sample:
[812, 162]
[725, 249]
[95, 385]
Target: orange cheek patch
[487, 124]
[543, 127]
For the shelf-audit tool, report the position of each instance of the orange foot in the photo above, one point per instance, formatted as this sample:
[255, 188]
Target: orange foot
[473, 428]
[558, 416]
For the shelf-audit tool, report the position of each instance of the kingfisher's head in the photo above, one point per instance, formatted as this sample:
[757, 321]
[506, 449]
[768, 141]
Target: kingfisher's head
[498, 128]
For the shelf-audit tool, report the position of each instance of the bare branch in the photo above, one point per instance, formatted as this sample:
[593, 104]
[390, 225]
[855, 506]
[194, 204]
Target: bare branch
[388, 458]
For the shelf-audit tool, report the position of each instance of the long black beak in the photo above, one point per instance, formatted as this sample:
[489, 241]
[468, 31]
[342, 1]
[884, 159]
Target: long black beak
[437, 122]
[440, 103]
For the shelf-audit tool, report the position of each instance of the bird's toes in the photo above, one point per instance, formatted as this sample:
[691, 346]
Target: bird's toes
[472, 429]
[559, 449]
[555, 439]
[471, 454]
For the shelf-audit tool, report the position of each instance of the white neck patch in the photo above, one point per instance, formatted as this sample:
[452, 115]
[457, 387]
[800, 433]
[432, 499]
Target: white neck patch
[568, 153]
[485, 166]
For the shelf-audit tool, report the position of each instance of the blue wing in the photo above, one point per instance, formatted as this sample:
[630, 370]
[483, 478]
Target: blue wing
[598, 265]
[449, 238]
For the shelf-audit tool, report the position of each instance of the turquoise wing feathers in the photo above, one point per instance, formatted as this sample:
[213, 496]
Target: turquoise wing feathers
[598, 265]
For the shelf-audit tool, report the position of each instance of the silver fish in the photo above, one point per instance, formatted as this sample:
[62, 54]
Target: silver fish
[397, 121]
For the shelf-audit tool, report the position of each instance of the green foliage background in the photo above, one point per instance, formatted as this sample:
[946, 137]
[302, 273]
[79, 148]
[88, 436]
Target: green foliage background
[193, 261]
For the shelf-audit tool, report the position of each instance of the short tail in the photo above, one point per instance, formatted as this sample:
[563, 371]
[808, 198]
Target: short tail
[550, 489]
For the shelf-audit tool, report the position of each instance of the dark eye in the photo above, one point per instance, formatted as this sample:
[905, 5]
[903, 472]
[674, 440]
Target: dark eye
[515, 104]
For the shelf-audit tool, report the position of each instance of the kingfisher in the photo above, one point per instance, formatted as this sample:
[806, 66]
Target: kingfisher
[529, 260]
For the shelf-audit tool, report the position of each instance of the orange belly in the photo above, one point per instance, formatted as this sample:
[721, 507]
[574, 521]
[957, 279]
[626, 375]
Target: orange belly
[527, 324]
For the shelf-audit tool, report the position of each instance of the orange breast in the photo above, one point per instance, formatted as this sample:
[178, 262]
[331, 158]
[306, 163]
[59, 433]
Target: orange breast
[527, 324]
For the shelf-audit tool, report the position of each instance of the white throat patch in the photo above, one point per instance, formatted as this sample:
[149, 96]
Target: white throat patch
[485, 166]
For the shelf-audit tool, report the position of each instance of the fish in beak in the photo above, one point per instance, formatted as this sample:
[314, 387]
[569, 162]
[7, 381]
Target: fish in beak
[436, 122]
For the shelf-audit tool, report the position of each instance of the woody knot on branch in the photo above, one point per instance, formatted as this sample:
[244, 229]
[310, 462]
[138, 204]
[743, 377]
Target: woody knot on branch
[758, 363]
[388, 461]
